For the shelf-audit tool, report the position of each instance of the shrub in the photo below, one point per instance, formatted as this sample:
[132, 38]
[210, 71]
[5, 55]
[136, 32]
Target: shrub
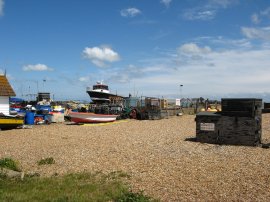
[134, 197]
[9, 164]
[46, 161]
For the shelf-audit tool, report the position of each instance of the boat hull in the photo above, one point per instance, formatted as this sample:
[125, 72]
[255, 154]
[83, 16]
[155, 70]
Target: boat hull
[98, 96]
[9, 122]
[80, 117]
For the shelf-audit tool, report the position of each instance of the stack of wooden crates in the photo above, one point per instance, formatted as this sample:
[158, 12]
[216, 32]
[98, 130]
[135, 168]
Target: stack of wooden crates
[239, 123]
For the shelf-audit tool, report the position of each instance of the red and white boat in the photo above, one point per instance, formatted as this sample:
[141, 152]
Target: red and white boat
[83, 117]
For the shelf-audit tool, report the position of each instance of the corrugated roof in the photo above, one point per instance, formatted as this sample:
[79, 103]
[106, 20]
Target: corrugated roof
[5, 87]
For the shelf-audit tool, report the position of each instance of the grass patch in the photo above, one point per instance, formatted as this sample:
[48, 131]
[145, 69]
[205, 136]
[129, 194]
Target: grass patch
[72, 187]
[134, 197]
[46, 161]
[9, 164]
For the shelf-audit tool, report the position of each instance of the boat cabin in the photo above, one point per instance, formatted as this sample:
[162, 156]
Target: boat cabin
[100, 86]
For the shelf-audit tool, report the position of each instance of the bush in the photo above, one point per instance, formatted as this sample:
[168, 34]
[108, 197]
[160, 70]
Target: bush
[46, 161]
[134, 197]
[9, 164]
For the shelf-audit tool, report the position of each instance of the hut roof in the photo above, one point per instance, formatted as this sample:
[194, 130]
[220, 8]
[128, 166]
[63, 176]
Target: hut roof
[5, 87]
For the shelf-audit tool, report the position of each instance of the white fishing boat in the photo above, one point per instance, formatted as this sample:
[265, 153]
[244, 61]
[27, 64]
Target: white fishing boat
[83, 117]
[99, 93]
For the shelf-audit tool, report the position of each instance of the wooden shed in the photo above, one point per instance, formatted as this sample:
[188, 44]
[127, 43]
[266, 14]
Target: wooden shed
[6, 91]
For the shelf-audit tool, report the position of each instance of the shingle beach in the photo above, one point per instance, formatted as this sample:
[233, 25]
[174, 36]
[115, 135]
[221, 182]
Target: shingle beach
[157, 154]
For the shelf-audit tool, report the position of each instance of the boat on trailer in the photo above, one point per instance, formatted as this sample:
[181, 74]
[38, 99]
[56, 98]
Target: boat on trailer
[84, 117]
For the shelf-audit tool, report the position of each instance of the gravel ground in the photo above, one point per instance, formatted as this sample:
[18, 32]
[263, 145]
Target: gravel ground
[155, 154]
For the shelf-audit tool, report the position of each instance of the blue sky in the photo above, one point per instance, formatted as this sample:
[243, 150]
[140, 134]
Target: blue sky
[214, 48]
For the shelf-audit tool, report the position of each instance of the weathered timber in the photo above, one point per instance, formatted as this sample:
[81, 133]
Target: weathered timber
[208, 127]
[242, 107]
[239, 124]
[240, 130]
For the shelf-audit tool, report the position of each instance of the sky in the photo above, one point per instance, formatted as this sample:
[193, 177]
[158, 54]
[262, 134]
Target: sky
[159, 48]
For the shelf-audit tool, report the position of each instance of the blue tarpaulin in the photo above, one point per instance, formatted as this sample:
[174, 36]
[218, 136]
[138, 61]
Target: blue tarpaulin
[15, 99]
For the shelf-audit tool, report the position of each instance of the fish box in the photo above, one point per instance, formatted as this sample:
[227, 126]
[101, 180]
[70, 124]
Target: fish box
[163, 103]
[208, 127]
[240, 130]
[266, 105]
[239, 123]
[241, 107]
[58, 117]
[266, 108]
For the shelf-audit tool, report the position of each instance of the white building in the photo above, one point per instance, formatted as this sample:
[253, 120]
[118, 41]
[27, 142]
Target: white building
[6, 91]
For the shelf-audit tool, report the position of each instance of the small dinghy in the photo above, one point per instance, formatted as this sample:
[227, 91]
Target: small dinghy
[82, 117]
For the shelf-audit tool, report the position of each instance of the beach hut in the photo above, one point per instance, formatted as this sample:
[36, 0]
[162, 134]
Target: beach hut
[7, 121]
[6, 91]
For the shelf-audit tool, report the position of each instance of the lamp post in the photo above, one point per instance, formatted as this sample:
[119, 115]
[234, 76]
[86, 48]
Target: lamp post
[181, 86]
[44, 80]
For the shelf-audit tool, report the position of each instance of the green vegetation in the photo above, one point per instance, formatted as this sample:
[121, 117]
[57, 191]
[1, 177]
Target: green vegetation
[46, 161]
[9, 163]
[72, 187]
[133, 197]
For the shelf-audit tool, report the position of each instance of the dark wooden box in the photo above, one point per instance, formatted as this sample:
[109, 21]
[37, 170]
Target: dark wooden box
[239, 123]
[240, 130]
[266, 105]
[241, 107]
[207, 127]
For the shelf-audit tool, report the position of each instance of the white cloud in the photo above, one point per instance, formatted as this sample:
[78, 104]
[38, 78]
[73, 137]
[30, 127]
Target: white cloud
[37, 67]
[2, 3]
[193, 49]
[255, 18]
[226, 43]
[222, 3]
[166, 3]
[199, 14]
[100, 55]
[84, 79]
[234, 70]
[130, 12]
[257, 33]
[208, 11]
[265, 12]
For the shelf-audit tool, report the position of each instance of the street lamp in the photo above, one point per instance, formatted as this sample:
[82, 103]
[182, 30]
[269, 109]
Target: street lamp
[44, 80]
[181, 86]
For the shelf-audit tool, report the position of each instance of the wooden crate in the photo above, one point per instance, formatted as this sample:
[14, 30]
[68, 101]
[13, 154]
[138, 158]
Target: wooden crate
[241, 107]
[266, 105]
[239, 124]
[240, 131]
[208, 127]
[163, 103]
[157, 114]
